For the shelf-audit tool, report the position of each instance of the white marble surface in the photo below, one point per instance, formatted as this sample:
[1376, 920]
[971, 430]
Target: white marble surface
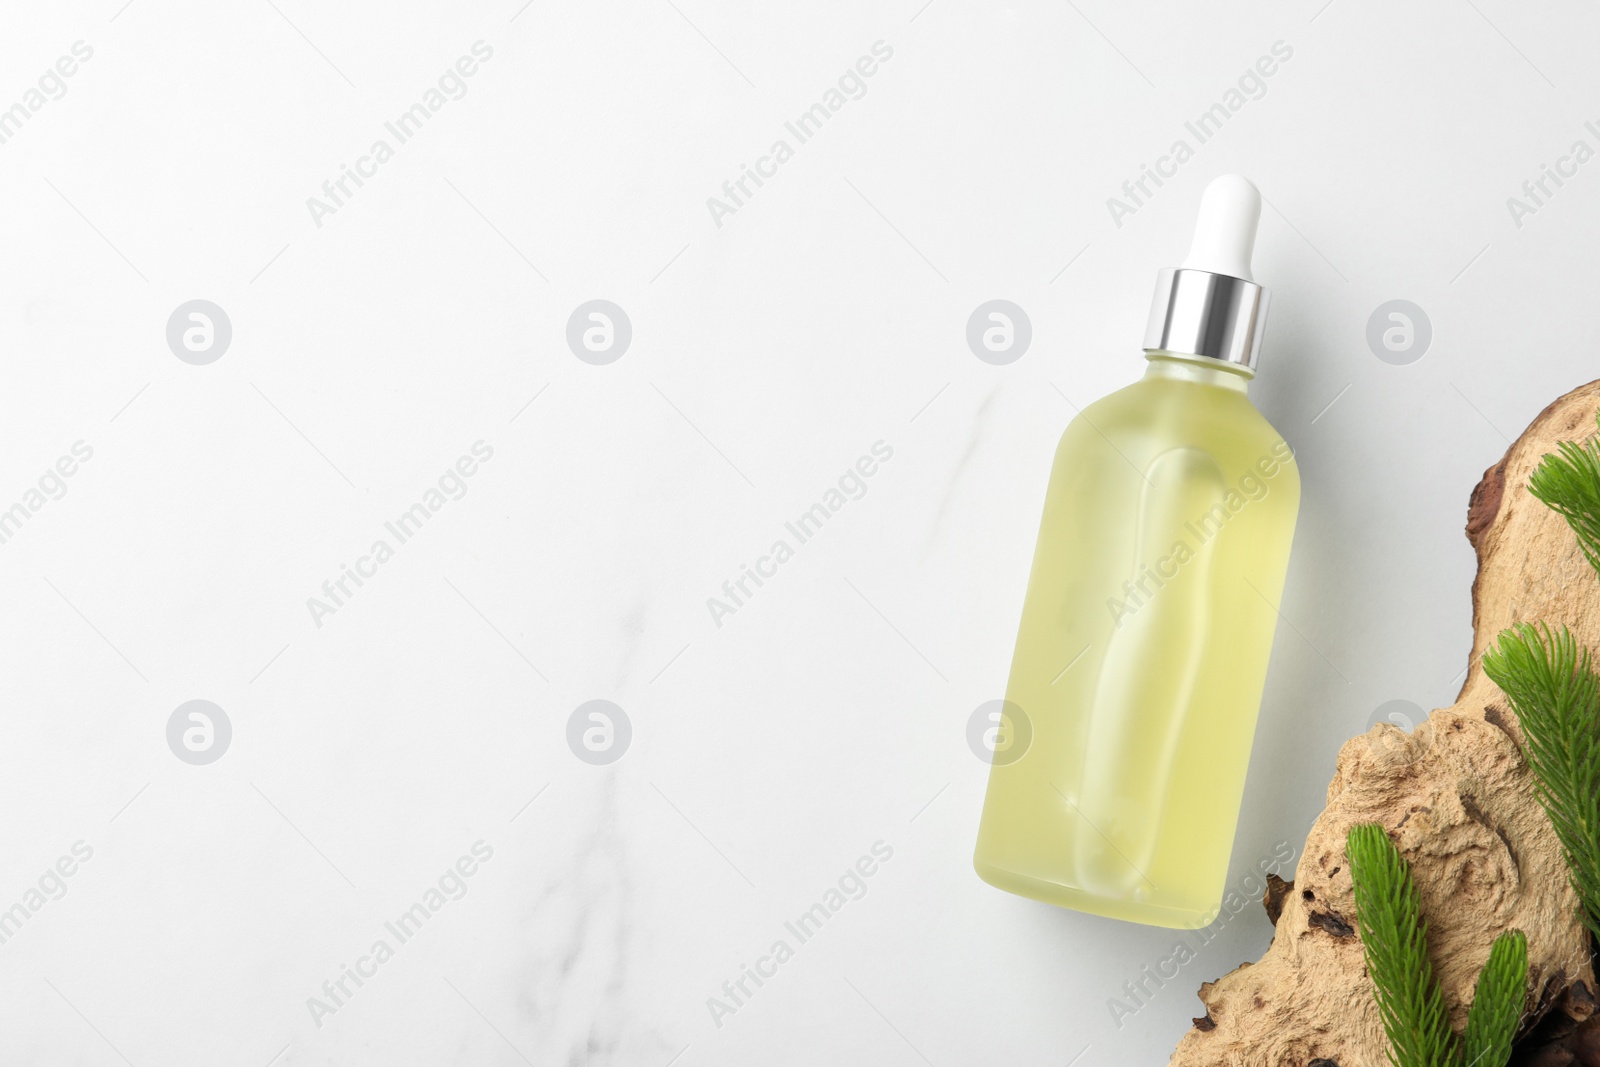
[769, 754]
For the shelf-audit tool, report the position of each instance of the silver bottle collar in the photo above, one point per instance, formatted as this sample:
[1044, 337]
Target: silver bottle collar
[1197, 313]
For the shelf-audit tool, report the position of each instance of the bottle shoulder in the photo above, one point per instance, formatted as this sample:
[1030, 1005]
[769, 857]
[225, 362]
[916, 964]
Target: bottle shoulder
[1179, 408]
[1153, 415]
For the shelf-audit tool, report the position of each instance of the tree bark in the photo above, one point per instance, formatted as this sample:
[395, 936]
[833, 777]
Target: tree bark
[1457, 798]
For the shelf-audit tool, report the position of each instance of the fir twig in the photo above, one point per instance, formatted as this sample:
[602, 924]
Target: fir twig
[1555, 692]
[1497, 1003]
[1568, 482]
[1394, 938]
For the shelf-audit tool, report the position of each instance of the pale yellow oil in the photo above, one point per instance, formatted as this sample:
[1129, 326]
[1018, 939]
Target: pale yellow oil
[1142, 652]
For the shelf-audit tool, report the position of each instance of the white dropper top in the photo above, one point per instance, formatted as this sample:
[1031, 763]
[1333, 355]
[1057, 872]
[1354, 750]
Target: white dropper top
[1211, 306]
[1225, 233]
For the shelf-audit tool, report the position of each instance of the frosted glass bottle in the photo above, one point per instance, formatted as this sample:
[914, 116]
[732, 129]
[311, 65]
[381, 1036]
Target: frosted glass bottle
[1148, 621]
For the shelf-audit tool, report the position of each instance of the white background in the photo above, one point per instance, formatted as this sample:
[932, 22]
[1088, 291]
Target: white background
[826, 314]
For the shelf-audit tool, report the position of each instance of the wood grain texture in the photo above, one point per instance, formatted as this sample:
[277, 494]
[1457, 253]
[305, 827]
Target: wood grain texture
[1456, 796]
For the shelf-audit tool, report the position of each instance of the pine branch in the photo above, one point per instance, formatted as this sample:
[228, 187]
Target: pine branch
[1556, 694]
[1497, 1003]
[1568, 482]
[1394, 938]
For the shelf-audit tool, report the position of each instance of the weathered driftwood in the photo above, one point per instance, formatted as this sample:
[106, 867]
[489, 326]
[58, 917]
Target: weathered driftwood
[1456, 796]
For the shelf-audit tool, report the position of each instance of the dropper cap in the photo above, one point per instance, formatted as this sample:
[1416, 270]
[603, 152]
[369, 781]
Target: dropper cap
[1210, 306]
[1225, 232]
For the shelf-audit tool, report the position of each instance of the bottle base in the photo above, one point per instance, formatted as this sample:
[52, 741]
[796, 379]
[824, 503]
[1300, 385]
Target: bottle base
[1066, 896]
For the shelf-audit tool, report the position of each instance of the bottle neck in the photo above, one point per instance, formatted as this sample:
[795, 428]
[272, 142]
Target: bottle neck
[1197, 369]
